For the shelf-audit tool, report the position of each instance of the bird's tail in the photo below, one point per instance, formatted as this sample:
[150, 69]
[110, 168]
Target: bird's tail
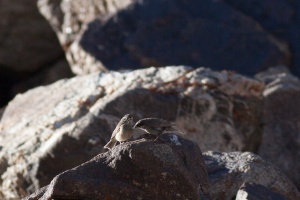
[110, 144]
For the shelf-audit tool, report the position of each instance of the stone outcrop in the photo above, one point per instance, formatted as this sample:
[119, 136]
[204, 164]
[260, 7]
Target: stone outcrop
[171, 168]
[280, 142]
[280, 18]
[110, 34]
[28, 47]
[230, 172]
[27, 41]
[51, 129]
[250, 191]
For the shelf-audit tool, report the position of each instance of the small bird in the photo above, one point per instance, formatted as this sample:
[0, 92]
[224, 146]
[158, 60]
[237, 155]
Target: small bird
[155, 126]
[122, 132]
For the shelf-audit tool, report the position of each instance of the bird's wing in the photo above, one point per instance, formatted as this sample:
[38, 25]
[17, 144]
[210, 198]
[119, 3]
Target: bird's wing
[114, 133]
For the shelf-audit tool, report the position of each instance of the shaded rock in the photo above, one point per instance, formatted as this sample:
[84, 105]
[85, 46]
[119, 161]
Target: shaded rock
[280, 18]
[57, 71]
[1, 112]
[54, 128]
[27, 42]
[28, 45]
[132, 34]
[229, 171]
[249, 191]
[280, 142]
[172, 168]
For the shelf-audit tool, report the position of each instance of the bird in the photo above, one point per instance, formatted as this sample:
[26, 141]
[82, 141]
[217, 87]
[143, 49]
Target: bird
[122, 132]
[155, 126]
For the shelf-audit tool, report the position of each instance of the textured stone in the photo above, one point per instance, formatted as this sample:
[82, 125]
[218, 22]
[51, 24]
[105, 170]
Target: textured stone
[280, 18]
[280, 142]
[229, 171]
[171, 168]
[53, 128]
[249, 191]
[57, 71]
[27, 42]
[110, 34]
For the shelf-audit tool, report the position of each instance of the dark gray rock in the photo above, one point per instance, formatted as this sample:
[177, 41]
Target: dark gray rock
[250, 191]
[112, 34]
[280, 18]
[27, 41]
[28, 47]
[171, 168]
[227, 172]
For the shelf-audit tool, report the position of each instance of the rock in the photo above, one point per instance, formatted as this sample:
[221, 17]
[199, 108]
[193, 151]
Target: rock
[27, 41]
[28, 47]
[172, 168]
[132, 34]
[250, 191]
[235, 174]
[53, 128]
[280, 18]
[1, 112]
[59, 70]
[37, 194]
[280, 142]
[227, 172]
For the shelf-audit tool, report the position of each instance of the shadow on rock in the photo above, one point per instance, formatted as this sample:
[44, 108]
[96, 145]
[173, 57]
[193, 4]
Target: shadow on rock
[170, 168]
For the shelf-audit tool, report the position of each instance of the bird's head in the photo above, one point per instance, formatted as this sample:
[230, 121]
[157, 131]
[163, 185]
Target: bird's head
[140, 124]
[127, 118]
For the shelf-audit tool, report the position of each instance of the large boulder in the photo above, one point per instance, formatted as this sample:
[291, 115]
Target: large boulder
[27, 41]
[250, 191]
[110, 34]
[280, 18]
[229, 173]
[171, 168]
[280, 142]
[28, 45]
[51, 129]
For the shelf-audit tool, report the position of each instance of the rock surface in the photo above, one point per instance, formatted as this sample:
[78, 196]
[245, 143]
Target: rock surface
[249, 191]
[27, 42]
[280, 142]
[110, 34]
[171, 168]
[28, 45]
[50, 129]
[280, 18]
[229, 171]
[234, 174]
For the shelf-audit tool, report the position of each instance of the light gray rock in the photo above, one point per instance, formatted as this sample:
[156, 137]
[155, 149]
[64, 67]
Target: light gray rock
[280, 142]
[227, 172]
[53, 128]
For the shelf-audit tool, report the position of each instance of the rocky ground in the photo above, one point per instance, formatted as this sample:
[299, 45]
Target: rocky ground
[145, 58]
